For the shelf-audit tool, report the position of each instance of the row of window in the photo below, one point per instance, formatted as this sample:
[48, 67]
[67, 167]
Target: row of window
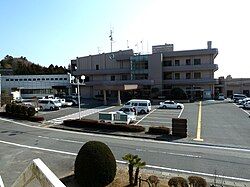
[169, 75]
[37, 91]
[38, 79]
[177, 62]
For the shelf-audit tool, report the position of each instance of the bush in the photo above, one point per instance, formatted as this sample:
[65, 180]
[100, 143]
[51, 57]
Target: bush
[196, 181]
[31, 111]
[159, 130]
[178, 93]
[94, 124]
[24, 110]
[8, 108]
[177, 182]
[36, 118]
[95, 165]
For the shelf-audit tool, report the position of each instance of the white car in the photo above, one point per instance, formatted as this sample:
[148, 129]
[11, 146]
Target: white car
[171, 104]
[221, 97]
[247, 105]
[243, 101]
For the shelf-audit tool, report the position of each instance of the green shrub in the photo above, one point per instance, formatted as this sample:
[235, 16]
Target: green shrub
[31, 111]
[18, 110]
[8, 108]
[13, 108]
[178, 93]
[196, 181]
[159, 130]
[24, 110]
[178, 182]
[95, 165]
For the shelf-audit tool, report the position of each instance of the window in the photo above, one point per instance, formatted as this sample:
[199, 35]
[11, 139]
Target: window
[34, 79]
[124, 77]
[167, 76]
[86, 79]
[60, 79]
[188, 62]
[56, 79]
[20, 79]
[177, 75]
[197, 61]
[11, 79]
[197, 75]
[51, 79]
[43, 79]
[177, 62]
[47, 79]
[16, 79]
[29, 79]
[142, 104]
[188, 75]
[38, 79]
[112, 78]
[7, 79]
[97, 67]
[65, 79]
[167, 63]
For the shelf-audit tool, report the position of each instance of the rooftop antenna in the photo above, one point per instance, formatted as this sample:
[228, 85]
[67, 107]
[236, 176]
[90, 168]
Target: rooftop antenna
[141, 46]
[127, 44]
[111, 38]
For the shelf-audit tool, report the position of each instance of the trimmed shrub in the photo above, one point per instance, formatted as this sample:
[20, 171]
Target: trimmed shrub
[24, 110]
[178, 93]
[31, 111]
[178, 182]
[18, 110]
[159, 130]
[196, 181]
[13, 108]
[95, 165]
[94, 124]
[36, 118]
[8, 108]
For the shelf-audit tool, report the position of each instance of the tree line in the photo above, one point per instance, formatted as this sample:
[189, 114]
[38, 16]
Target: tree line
[21, 66]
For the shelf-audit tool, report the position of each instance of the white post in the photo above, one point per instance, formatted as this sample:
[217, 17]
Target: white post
[79, 99]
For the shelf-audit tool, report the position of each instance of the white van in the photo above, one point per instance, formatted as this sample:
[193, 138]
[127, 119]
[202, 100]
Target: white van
[140, 105]
[49, 104]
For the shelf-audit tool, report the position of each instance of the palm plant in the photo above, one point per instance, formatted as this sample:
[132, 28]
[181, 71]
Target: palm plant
[138, 164]
[131, 162]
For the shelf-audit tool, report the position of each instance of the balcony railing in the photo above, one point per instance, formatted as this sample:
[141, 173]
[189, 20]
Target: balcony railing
[101, 71]
[190, 81]
[120, 82]
[190, 67]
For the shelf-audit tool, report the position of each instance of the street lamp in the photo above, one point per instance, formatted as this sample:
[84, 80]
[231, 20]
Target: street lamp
[78, 92]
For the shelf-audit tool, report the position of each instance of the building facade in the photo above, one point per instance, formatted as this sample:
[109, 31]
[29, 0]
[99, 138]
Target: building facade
[161, 71]
[36, 85]
[229, 86]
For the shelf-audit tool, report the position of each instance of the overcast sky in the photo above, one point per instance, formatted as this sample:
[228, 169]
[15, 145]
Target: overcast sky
[56, 31]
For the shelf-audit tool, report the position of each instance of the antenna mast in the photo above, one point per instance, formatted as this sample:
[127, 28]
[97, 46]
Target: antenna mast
[111, 38]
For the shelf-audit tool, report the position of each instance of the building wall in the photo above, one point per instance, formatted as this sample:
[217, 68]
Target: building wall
[41, 85]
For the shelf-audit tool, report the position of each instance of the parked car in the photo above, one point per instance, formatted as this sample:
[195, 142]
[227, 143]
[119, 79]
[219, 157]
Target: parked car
[49, 104]
[64, 102]
[128, 110]
[247, 105]
[117, 117]
[237, 97]
[171, 104]
[221, 97]
[140, 105]
[243, 101]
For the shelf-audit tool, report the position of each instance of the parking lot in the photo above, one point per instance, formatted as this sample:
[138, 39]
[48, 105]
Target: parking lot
[222, 122]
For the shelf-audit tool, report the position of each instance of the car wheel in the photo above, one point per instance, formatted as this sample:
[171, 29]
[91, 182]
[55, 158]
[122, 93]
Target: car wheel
[143, 111]
[164, 106]
[51, 108]
[178, 107]
[41, 108]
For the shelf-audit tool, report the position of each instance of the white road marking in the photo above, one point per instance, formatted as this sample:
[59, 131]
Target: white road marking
[135, 139]
[145, 116]
[242, 110]
[123, 162]
[180, 112]
[169, 153]
[83, 113]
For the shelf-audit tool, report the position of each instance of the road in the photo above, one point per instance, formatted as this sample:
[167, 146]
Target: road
[20, 143]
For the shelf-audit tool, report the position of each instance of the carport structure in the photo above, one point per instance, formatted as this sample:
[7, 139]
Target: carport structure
[118, 88]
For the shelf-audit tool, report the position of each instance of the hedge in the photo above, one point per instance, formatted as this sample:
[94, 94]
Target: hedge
[159, 130]
[87, 123]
